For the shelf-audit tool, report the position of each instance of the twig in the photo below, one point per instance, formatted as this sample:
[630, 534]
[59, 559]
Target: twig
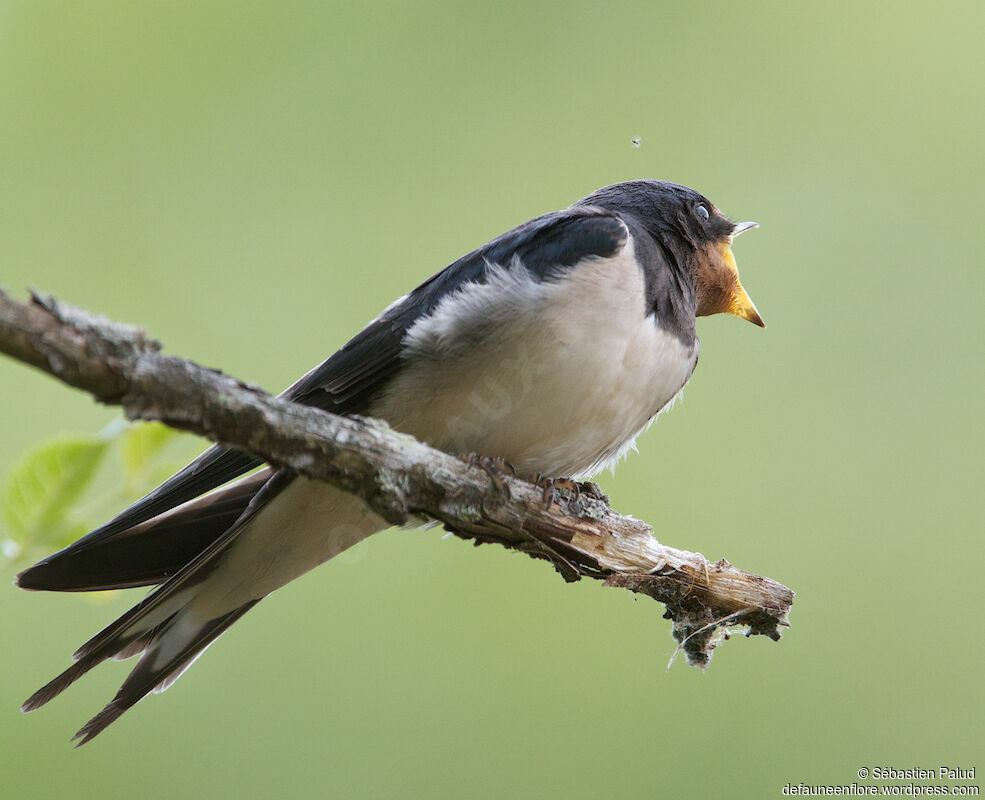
[397, 476]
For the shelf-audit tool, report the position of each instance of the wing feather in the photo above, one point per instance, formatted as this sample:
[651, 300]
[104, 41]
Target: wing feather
[349, 381]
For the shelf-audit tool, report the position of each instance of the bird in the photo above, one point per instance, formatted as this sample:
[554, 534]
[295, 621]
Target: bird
[549, 348]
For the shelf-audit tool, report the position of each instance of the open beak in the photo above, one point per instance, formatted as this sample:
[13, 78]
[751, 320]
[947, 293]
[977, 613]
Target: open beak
[742, 306]
[717, 286]
[742, 227]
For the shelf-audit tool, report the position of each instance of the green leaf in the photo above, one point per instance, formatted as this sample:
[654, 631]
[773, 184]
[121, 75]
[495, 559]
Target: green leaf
[141, 445]
[36, 493]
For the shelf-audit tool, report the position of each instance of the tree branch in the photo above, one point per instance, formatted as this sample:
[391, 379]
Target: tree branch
[397, 476]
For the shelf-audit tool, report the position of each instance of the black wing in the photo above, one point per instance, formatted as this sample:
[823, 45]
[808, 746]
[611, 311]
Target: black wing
[350, 379]
[348, 382]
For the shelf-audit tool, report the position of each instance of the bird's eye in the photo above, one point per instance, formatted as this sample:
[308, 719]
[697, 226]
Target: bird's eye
[702, 212]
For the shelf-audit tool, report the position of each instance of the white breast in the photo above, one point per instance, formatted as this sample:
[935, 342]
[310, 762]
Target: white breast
[555, 376]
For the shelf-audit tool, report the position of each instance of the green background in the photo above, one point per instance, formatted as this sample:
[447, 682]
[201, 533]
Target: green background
[253, 182]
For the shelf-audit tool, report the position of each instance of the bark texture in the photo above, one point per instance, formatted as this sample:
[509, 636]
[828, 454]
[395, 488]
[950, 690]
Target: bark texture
[400, 478]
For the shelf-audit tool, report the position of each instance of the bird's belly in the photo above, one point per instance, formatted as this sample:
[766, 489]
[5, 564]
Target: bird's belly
[561, 392]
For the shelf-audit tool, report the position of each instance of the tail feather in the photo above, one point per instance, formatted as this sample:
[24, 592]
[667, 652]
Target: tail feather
[86, 662]
[56, 686]
[214, 467]
[171, 595]
[149, 552]
[156, 671]
[164, 627]
[136, 647]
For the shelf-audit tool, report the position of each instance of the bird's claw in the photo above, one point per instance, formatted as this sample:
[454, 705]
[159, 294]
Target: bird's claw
[551, 485]
[592, 489]
[495, 468]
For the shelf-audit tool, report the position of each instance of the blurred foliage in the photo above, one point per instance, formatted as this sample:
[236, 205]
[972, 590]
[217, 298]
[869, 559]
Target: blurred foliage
[38, 492]
[45, 502]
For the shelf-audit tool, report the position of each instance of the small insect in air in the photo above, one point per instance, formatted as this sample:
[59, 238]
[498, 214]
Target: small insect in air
[637, 141]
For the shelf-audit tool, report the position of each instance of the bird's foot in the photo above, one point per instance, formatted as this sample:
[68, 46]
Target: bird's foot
[592, 489]
[495, 468]
[551, 485]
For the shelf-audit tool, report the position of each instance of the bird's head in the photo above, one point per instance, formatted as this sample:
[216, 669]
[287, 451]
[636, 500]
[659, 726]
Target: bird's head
[692, 233]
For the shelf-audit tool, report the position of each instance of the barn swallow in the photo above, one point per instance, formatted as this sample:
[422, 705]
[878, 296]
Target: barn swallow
[551, 348]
